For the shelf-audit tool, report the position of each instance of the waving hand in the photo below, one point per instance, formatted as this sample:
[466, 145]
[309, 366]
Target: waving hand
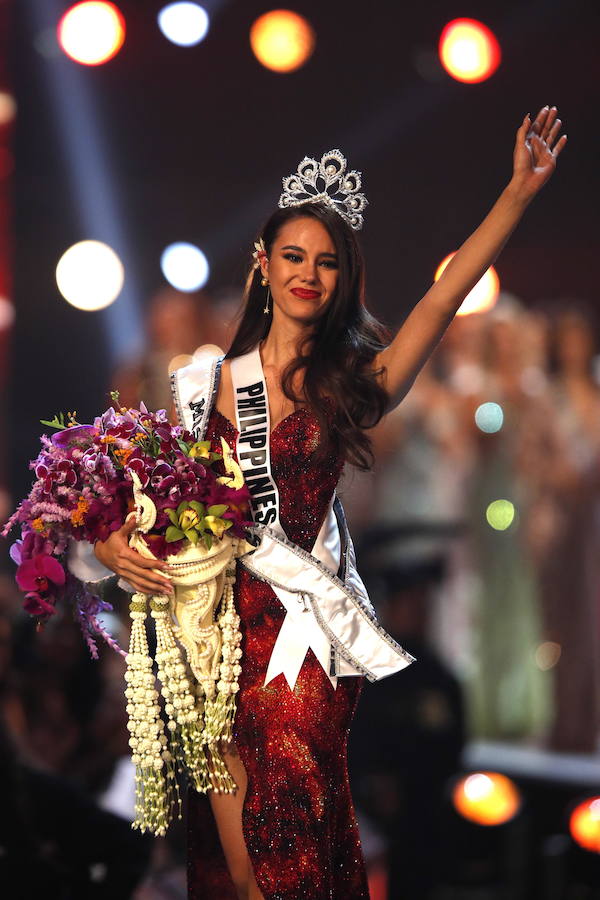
[536, 150]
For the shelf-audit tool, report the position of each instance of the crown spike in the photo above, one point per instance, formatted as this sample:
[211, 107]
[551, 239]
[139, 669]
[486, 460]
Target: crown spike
[329, 182]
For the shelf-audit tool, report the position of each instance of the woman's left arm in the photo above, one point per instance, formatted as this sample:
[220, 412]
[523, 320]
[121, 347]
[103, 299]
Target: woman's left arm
[536, 150]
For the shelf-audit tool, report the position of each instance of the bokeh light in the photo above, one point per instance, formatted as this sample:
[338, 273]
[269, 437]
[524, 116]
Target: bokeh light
[469, 51]
[8, 107]
[480, 298]
[90, 275]
[547, 655]
[500, 514]
[184, 23]
[91, 33]
[282, 40]
[185, 266]
[584, 824]
[7, 314]
[486, 798]
[489, 417]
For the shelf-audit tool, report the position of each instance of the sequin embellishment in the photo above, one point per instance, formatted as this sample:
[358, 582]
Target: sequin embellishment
[298, 818]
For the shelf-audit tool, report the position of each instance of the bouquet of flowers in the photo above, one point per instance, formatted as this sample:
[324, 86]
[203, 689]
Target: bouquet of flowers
[88, 480]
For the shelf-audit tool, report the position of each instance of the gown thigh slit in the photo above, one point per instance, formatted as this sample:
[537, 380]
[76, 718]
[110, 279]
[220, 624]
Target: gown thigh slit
[298, 818]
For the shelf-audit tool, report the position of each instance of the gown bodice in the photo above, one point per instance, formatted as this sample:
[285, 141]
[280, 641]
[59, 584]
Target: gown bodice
[305, 485]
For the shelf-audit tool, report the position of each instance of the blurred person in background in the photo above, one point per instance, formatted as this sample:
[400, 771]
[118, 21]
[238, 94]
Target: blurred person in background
[54, 839]
[564, 533]
[425, 456]
[406, 744]
[177, 324]
[510, 697]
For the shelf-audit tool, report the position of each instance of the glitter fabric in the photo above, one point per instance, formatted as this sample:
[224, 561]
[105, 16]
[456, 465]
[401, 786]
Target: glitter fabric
[298, 817]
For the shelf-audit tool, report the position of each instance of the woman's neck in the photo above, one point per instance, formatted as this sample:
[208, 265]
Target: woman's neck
[282, 343]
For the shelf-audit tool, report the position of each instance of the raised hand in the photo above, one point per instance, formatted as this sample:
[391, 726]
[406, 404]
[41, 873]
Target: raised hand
[537, 148]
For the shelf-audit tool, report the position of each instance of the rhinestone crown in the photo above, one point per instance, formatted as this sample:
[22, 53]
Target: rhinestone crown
[326, 182]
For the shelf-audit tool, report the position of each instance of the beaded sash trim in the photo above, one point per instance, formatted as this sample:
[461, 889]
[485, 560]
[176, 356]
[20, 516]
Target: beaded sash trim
[369, 656]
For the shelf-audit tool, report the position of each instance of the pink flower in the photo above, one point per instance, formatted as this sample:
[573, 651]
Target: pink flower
[36, 605]
[39, 576]
[39, 572]
[76, 434]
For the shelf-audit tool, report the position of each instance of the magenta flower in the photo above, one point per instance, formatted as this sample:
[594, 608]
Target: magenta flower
[36, 605]
[39, 572]
[39, 577]
[137, 465]
[74, 435]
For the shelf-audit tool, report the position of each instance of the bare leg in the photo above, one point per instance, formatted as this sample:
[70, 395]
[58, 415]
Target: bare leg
[227, 810]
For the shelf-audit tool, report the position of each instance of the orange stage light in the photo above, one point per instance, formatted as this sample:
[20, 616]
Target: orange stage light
[282, 40]
[469, 51]
[486, 798]
[584, 824]
[91, 33]
[482, 297]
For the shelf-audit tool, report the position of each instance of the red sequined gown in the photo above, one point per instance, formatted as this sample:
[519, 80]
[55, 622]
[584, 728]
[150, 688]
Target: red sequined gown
[298, 817]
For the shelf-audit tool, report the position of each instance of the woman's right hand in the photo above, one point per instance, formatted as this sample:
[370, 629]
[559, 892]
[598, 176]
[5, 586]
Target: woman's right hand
[116, 554]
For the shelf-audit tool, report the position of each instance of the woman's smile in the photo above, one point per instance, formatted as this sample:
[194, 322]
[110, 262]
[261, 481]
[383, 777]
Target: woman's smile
[305, 294]
[303, 265]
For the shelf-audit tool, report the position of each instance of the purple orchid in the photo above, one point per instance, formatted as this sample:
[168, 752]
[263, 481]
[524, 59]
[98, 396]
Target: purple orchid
[73, 435]
[107, 420]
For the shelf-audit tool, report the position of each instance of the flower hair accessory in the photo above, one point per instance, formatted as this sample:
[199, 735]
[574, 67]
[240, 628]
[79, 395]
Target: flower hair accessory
[260, 251]
[327, 182]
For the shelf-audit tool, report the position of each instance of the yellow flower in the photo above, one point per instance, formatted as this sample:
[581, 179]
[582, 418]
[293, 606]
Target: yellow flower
[188, 519]
[218, 525]
[37, 524]
[200, 450]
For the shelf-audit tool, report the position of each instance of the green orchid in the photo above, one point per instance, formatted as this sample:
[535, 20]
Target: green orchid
[200, 450]
[192, 520]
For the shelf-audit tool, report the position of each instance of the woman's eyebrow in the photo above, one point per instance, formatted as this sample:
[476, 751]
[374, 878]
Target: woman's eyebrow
[302, 250]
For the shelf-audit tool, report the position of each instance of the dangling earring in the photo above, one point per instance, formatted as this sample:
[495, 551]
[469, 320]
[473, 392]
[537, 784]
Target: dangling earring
[265, 283]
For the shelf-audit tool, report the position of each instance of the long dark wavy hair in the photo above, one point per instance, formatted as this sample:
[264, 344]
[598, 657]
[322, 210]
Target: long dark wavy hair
[338, 350]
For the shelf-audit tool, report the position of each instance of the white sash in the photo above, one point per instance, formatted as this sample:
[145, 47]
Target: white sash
[300, 629]
[332, 615]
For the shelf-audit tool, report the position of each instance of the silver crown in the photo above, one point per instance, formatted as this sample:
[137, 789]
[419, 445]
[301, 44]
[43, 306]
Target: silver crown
[326, 182]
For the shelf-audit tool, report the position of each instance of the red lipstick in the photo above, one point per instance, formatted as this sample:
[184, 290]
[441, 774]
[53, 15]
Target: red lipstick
[305, 295]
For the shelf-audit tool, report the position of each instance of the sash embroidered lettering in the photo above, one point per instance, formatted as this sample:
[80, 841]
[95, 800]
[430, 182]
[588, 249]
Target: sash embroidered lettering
[252, 419]
[197, 409]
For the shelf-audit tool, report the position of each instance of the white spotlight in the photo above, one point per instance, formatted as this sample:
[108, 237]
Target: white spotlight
[185, 24]
[90, 275]
[185, 266]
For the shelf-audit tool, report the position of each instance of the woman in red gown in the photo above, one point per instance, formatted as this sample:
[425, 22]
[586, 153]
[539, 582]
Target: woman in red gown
[289, 831]
[298, 820]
